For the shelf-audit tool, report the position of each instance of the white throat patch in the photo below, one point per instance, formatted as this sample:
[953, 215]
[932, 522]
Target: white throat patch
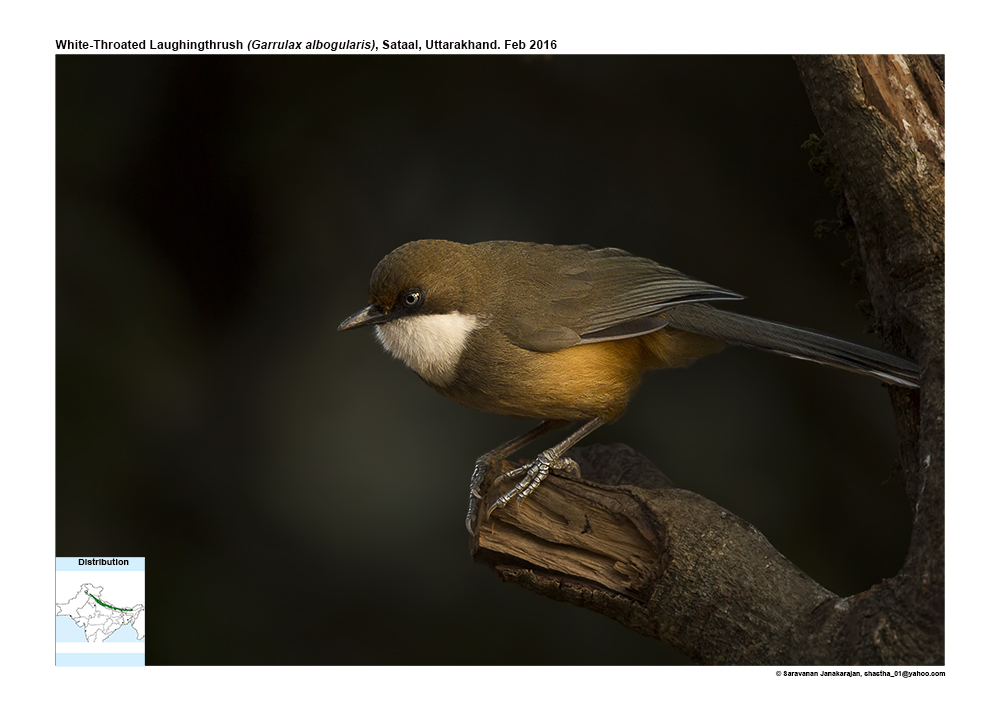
[431, 345]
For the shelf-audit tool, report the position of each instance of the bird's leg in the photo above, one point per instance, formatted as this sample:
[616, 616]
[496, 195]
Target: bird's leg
[536, 471]
[484, 463]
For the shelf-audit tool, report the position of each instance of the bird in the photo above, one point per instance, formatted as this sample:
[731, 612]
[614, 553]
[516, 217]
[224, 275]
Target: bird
[564, 333]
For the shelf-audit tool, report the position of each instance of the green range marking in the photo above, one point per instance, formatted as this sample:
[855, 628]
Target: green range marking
[110, 606]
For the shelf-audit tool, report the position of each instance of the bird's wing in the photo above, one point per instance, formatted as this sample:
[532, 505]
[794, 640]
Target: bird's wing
[582, 295]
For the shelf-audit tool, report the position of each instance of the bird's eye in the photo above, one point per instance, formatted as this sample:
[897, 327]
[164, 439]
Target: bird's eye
[413, 298]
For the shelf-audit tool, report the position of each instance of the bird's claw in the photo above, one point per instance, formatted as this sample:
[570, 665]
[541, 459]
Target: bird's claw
[534, 473]
[475, 492]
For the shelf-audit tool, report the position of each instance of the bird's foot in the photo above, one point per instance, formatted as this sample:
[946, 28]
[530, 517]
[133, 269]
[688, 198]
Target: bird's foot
[476, 490]
[534, 472]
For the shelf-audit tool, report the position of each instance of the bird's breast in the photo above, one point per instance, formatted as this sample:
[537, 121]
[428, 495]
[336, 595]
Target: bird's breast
[579, 382]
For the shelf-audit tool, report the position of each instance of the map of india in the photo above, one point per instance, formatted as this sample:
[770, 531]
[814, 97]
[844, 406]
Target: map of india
[100, 617]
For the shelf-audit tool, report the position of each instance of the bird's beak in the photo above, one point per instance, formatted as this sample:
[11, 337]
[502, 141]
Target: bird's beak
[370, 315]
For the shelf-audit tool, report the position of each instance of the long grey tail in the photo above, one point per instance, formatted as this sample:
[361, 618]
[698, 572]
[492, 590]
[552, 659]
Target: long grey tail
[793, 341]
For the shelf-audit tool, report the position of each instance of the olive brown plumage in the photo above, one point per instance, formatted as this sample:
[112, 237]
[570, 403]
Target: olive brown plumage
[564, 332]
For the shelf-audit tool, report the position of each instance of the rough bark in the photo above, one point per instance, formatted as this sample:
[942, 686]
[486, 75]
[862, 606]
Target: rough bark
[673, 565]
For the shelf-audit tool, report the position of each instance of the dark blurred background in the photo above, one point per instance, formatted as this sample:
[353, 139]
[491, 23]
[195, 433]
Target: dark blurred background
[298, 495]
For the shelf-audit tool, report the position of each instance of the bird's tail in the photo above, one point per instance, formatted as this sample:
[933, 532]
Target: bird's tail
[795, 342]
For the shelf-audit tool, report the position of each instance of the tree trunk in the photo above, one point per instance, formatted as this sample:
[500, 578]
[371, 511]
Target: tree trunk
[673, 565]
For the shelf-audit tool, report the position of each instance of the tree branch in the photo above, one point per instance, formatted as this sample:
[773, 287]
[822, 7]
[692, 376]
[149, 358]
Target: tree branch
[663, 561]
